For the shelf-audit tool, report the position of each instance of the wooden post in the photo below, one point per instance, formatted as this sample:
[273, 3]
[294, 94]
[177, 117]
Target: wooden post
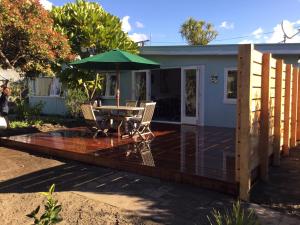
[264, 119]
[277, 113]
[294, 108]
[287, 106]
[243, 145]
[298, 108]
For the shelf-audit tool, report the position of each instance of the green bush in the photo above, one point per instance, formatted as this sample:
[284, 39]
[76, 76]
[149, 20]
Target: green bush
[26, 112]
[24, 123]
[75, 98]
[236, 216]
[52, 210]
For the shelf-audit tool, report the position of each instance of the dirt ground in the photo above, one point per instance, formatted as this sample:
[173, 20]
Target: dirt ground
[76, 209]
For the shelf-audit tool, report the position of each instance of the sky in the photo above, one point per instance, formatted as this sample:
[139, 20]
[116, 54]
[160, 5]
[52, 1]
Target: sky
[237, 21]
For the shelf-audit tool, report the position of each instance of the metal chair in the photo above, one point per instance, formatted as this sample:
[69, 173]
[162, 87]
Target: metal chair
[141, 125]
[95, 124]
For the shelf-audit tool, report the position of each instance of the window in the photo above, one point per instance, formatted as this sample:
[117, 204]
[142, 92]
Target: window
[230, 86]
[110, 87]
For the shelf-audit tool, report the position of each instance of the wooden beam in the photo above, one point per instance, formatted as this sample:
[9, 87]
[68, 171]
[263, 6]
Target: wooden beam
[278, 112]
[294, 108]
[264, 119]
[298, 108]
[243, 145]
[287, 109]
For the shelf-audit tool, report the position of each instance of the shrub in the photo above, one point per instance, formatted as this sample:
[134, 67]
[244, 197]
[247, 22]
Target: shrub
[52, 209]
[26, 112]
[75, 98]
[236, 216]
[24, 123]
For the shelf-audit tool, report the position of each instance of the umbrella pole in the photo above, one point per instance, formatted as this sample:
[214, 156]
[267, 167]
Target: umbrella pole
[118, 86]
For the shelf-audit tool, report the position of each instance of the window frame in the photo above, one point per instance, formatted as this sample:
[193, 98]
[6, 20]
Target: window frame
[228, 100]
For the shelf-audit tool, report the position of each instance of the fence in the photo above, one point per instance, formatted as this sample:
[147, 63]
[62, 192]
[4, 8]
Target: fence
[268, 114]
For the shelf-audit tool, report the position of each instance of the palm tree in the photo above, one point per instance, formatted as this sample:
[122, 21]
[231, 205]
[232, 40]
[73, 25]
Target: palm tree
[198, 32]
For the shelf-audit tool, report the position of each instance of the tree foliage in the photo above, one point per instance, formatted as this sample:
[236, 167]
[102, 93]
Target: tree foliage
[198, 32]
[89, 26]
[90, 83]
[28, 41]
[91, 30]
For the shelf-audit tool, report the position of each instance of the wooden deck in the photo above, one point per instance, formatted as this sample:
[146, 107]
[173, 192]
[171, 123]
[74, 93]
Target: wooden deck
[201, 156]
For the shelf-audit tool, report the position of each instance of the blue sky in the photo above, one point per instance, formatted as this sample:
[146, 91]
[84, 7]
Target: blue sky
[249, 19]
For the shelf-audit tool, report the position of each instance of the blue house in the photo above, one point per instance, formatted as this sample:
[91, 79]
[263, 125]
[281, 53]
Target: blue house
[196, 84]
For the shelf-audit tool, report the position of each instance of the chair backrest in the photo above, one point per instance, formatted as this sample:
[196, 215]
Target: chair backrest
[148, 112]
[88, 112]
[143, 104]
[131, 103]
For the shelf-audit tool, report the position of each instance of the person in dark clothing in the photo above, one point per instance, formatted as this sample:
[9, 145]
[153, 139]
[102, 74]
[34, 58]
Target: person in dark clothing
[4, 104]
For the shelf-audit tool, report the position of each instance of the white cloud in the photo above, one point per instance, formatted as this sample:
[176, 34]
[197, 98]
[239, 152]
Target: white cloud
[126, 27]
[227, 25]
[139, 24]
[246, 41]
[258, 33]
[277, 36]
[289, 28]
[46, 4]
[138, 37]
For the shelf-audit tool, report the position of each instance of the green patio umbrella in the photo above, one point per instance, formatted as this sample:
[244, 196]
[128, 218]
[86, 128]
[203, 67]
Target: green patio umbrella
[115, 60]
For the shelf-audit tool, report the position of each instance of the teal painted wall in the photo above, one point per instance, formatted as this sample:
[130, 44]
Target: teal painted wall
[288, 59]
[52, 105]
[125, 90]
[216, 113]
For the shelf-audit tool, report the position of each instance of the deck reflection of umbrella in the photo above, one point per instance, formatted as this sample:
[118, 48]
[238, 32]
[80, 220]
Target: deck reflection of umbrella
[115, 60]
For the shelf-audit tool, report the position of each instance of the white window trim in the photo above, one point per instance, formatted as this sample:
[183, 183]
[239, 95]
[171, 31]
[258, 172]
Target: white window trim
[227, 100]
[107, 84]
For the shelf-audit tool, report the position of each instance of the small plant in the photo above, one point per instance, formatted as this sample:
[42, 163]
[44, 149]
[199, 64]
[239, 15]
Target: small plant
[236, 216]
[52, 209]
